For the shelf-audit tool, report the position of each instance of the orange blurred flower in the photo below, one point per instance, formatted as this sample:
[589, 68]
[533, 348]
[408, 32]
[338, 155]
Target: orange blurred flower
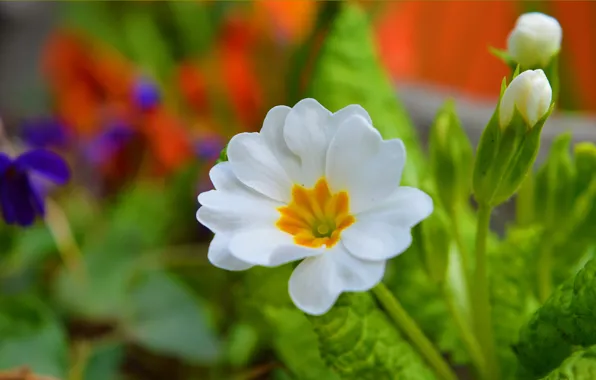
[93, 86]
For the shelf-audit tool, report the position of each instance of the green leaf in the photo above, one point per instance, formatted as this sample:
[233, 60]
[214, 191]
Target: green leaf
[166, 318]
[581, 365]
[359, 342]
[451, 158]
[194, 24]
[30, 335]
[296, 344]
[348, 71]
[99, 291]
[146, 43]
[565, 321]
[270, 310]
[242, 344]
[104, 362]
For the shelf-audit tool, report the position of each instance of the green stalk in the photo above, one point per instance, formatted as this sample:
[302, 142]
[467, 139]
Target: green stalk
[545, 264]
[467, 335]
[482, 318]
[409, 327]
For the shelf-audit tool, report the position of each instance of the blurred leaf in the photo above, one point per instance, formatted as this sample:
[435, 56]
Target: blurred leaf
[359, 342]
[146, 42]
[99, 292]
[348, 71]
[104, 362]
[194, 24]
[296, 344]
[142, 215]
[99, 19]
[241, 346]
[168, 319]
[565, 321]
[30, 335]
[32, 245]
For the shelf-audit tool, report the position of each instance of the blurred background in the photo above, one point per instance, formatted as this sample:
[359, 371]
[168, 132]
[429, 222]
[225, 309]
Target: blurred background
[141, 97]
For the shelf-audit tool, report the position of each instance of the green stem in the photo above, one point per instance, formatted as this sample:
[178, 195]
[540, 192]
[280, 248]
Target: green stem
[459, 242]
[466, 334]
[409, 327]
[483, 320]
[545, 263]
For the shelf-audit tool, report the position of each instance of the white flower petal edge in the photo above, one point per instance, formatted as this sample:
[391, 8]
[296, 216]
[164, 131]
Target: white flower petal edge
[373, 240]
[406, 207]
[220, 256]
[268, 247]
[273, 134]
[360, 162]
[256, 166]
[318, 281]
[233, 206]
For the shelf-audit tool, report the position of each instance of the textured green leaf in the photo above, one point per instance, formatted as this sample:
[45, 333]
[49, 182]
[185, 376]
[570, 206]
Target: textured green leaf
[296, 344]
[581, 365]
[566, 320]
[30, 335]
[290, 334]
[348, 71]
[512, 292]
[359, 342]
[168, 319]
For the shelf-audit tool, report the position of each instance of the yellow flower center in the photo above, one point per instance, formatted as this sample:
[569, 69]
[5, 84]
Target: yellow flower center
[315, 217]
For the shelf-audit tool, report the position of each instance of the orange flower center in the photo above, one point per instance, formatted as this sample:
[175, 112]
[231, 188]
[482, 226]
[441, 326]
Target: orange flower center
[315, 217]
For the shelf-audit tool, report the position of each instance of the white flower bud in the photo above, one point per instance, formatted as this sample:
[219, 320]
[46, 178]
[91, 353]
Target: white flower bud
[530, 93]
[535, 39]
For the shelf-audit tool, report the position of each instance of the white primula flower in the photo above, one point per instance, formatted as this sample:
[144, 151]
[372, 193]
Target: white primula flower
[535, 39]
[530, 93]
[315, 186]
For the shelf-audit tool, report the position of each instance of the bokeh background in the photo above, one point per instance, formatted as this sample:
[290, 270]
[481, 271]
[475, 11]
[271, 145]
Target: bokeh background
[141, 97]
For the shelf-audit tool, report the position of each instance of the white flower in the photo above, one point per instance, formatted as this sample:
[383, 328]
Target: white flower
[535, 39]
[530, 93]
[315, 186]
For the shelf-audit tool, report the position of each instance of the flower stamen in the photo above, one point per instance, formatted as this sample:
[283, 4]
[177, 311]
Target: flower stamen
[315, 217]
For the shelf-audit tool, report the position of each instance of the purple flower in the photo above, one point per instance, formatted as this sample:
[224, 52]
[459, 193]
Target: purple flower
[108, 143]
[209, 148]
[145, 94]
[20, 197]
[45, 132]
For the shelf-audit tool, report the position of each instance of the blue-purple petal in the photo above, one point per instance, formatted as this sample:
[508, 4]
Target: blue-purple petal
[45, 132]
[145, 94]
[5, 162]
[45, 163]
[16, 200]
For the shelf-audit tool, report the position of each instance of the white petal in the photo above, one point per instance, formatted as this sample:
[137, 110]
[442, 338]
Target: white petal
[369, 239]
[345, 113]
[317, 281]
[220, 256]
[406, 207]
[273, 133]
[257, 167]
[233, 205]
[360, 162]
[307, 133]
[269, 247]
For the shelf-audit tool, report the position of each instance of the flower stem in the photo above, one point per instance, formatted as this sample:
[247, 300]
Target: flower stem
[409, 327]
[545, 263]
[483, 320]
[466, 334]
[70, 253]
